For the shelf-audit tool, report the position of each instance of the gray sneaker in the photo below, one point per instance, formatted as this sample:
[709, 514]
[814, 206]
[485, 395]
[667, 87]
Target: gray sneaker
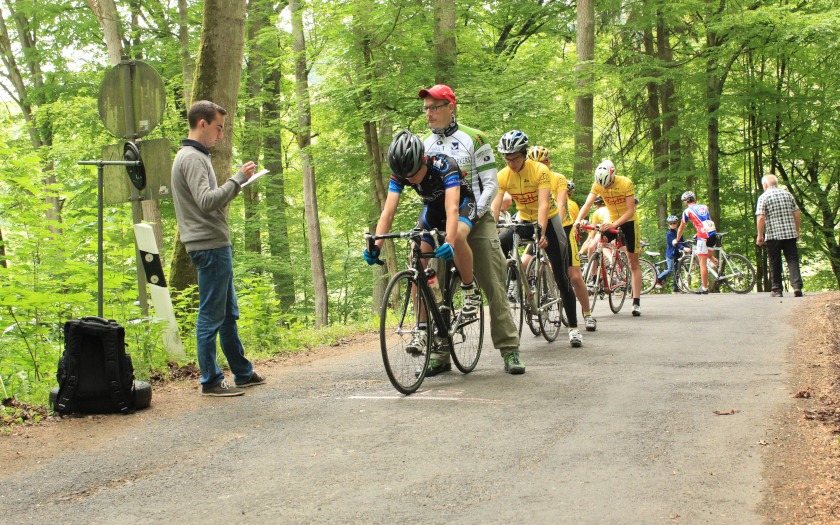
[223, 389]
[637, 310]
[254, 380]
[575, 339]
[591, 323]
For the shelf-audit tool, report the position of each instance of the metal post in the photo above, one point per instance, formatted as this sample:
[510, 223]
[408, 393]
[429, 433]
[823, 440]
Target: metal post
[100, 260]
[127, 66]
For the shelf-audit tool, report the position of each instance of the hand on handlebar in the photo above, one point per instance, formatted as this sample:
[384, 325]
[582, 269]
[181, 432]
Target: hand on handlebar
[542, 243]
[445, 252]
[372, 256]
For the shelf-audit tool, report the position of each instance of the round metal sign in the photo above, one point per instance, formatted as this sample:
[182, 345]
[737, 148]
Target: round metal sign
[131, 99]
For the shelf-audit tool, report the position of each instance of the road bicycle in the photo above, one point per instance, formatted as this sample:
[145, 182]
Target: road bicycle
[607, 276]
[733, 270]
[536, 298]
[414, 306]
[651, 268]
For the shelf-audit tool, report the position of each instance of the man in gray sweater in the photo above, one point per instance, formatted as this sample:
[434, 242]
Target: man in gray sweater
[201, 206]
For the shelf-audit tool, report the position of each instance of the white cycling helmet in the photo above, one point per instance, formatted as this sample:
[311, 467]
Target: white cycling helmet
[512, 142]
[605, 173]
[689, 196]
[672, 218]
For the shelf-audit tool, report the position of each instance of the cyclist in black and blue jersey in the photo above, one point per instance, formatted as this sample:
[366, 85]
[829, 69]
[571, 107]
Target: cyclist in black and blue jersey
[448, 205]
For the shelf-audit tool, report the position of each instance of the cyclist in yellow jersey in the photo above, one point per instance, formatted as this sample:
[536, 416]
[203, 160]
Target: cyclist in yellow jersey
[559, 190]
[529, 183]
[619, 196]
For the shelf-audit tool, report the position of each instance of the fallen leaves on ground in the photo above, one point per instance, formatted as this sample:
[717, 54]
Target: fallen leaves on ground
[729, 413]
[13, 412]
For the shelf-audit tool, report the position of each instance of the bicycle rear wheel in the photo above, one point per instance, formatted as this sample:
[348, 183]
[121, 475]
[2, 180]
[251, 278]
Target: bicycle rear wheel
[399, 318]
[619, 281]
[591, 277]
[513, 285]
[741, 272]
[550, 303]
[468, 335]
[531, 317]
[648, 276]
[689, 271]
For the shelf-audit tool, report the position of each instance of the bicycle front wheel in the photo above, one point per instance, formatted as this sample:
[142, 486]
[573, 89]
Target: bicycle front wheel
[648, 276]
[740, 273]
[689, 271]
[531, 316]
[468, 333]
[619, 282]
[591, 277]
[513, 285]
[406, 345]
[550, 303]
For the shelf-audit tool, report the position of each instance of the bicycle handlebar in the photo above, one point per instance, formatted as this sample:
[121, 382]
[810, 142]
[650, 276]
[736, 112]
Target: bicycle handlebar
[412, 235]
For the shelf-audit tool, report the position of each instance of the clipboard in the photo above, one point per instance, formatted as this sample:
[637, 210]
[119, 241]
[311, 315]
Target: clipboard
[256, 176]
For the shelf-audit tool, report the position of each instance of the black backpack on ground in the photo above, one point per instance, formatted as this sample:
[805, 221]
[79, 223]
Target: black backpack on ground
[95, 375]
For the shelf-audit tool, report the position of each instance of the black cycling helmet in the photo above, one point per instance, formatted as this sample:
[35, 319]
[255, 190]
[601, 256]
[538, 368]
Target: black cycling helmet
[599, 200]
[689, 196]
[513, 141]
[405, 155]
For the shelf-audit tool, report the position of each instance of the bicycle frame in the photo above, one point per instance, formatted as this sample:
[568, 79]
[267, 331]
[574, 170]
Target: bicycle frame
[530, 296]
[439, 311]
[602, 266]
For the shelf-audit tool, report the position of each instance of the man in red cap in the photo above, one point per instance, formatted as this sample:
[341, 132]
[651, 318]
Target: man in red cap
[469, 147]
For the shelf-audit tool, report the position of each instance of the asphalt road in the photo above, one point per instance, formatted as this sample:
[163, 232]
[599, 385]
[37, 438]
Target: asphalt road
[622, 430]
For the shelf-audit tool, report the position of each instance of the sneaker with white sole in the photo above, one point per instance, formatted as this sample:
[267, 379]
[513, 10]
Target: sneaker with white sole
[417, 345]
[591, 323]
[575, 339]
[637, 310]
[472, 302]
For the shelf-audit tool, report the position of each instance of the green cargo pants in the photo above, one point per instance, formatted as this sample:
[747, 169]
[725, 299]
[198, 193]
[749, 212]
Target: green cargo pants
[489, 265]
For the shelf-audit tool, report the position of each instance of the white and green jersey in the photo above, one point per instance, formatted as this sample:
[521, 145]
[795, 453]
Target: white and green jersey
[475, 158]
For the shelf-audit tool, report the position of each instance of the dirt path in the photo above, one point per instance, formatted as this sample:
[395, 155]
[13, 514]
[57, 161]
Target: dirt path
[575, 438]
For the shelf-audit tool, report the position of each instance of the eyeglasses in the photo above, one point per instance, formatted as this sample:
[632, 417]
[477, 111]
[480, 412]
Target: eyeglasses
[433, 109]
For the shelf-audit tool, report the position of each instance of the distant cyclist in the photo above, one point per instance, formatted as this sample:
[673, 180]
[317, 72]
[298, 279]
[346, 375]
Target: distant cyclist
[529, 183]
[619, 195]
[448, 204]
[560, 191]
[698, 215]
[672, 253]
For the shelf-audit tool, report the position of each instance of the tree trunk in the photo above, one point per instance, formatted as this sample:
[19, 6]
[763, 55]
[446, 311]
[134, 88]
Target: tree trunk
[3, 262]
[584, 101]
[217, 79]
[109, 20]
[310, 201]
[660, 151]
[670, 115]
[445, 45]
[187, 65]
[40, 131]
[252, 137]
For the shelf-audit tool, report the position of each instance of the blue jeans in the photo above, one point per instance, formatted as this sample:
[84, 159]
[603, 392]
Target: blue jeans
[671, 264]
[217, 315]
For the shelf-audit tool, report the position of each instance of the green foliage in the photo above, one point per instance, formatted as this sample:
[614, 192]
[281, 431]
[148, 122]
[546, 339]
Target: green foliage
[516, 69]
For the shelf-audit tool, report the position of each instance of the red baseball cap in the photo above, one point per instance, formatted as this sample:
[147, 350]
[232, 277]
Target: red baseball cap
[439, 91]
